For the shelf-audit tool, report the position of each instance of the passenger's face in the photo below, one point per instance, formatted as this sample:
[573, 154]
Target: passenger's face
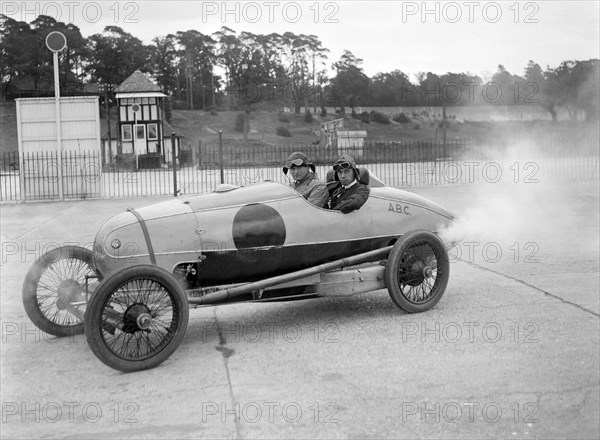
[299, 172]
[346, 176]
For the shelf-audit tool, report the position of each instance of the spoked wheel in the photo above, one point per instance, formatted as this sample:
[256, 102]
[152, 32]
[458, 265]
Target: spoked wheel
[417, 271]
[55, 287]
[137, 318]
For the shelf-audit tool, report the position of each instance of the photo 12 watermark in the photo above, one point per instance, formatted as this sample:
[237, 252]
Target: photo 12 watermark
[270, 12]
[470, 12]
[70, 412]
[270, 412]
[494, 252]
[115, 12]
[25, 332]
[52, 252]
[470, 332]
[469, 412]
[271, 332]
[472, 171]
[470, 92]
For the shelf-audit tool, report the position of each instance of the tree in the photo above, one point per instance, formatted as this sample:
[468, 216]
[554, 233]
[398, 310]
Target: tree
[305, 56]
[26, 59]
[430, 89]
[71, 59]
[572, 85]
[116, 54]
[298, 68]
[507, 87]
[15, 62]
[246, 75]
[390, 89]
[350, 84]
[164, 58]
[541, 88]
[587, 79]
[196, 60]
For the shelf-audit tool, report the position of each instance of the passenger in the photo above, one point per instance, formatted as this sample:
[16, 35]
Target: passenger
[349, 194]
[306, 181]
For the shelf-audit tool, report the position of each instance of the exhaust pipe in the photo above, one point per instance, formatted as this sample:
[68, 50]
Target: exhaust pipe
[223, 294]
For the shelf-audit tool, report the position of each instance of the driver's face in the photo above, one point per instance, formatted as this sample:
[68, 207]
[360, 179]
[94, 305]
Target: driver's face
[346, 176]
[299, 173]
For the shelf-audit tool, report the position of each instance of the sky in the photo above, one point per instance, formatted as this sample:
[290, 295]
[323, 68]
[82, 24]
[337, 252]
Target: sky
[413, 36]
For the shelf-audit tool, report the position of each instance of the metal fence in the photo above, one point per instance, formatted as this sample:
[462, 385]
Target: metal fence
[77, 175]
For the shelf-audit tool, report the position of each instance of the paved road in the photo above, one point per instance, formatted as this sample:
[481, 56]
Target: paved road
[511, 351]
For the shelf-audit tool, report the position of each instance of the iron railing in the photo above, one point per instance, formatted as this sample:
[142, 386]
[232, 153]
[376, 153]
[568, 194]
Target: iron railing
[77, 175]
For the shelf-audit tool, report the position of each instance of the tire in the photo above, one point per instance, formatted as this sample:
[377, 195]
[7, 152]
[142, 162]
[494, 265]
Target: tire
[417, 271]
[137, 318]
[58, 276]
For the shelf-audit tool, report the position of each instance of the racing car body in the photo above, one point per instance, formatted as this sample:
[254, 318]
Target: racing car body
[132, 292]
[248, 233]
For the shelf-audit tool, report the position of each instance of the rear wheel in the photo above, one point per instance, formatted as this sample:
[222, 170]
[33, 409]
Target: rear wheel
[417, 271]
[137, 318]
[55, 283]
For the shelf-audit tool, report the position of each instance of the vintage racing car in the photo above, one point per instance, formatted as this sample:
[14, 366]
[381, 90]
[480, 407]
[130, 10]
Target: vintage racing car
[132, 292]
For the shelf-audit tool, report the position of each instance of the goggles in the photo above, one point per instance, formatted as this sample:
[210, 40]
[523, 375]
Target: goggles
[295, 162]
[341, 166]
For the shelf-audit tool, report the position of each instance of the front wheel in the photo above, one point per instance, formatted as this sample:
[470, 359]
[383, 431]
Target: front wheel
[137, 318]
[55, 288]
[417, 271]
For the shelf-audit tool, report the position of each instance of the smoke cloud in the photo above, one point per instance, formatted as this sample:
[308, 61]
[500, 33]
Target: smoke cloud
[527, 205]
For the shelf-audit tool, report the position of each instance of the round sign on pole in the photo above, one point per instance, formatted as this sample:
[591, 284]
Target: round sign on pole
[56, 41]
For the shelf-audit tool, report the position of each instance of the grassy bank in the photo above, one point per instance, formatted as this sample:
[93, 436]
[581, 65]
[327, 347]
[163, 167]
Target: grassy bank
[198, 125]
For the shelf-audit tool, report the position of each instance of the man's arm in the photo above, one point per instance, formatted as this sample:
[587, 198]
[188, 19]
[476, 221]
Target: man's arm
[355, 200]
[318, 195]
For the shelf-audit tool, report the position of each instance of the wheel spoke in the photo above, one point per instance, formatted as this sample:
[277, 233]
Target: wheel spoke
[414, 284]
[68, 269]
[140, 295]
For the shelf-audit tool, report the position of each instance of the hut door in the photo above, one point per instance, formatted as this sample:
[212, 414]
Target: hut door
[139, 140]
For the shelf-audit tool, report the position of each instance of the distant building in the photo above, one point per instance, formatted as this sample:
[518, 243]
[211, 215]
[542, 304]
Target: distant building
[140, 139]
[328, 132]
[351, 141]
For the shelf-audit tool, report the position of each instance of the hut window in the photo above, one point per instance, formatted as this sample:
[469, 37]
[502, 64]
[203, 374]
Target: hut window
[126, 132]
[140, 132]
[152, 131]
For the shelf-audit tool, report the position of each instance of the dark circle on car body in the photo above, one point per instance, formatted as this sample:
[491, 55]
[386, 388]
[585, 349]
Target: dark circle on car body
[257, 225]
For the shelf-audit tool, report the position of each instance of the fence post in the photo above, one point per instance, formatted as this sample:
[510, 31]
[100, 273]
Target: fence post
[22, 165]
[173, 159]
[199, 153]
[221, 156]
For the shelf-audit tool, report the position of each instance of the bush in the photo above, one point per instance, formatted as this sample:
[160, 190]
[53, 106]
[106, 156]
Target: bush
[239, 123]
[379, 117]
[283, 118]
[308, 117]
[282, 131]
[355, 115]
[323, 111]
[402, 118]
[365, 118]
[417, 127]
[178, 104]
[214, 112]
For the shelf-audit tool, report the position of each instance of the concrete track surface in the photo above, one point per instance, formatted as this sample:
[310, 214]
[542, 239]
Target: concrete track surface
[511, 350]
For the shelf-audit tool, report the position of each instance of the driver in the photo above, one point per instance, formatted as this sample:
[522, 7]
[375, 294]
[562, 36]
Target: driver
[349, 194]
[305, 179]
